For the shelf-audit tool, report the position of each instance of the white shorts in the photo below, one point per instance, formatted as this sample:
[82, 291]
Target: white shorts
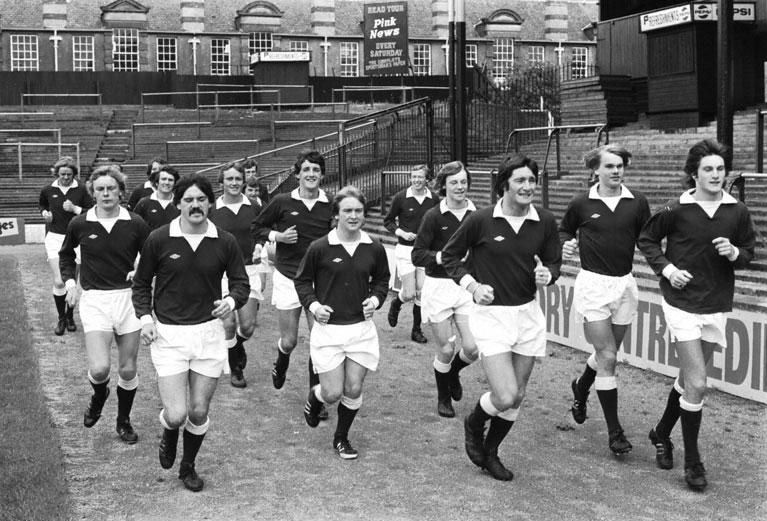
[198, 347]
[598, 297]
[331, 344]
[402, 254]
[254, 277]
[108, 310]
[265, 266]
[500, 329]
[53, 242]
[685, 326]
[284, 294]
[443, 298]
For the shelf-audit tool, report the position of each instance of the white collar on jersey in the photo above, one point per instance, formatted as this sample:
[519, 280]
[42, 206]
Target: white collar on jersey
[594, 193]
[175, 229]
[323, 198]
[220, 201]
[57, 185]
[409, 193]
[532, 213]
[122, 215]
[688, 198]
[153, 197]
[148, 184]
[444, 209]
[335, 241]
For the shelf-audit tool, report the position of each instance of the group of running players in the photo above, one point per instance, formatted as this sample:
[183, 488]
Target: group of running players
[184, 272]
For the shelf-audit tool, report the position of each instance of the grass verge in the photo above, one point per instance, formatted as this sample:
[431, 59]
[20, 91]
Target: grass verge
[32, 482]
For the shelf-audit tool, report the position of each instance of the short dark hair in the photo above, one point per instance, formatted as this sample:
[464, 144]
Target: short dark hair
[236, 165]
[169, 170]
[348, 191]
[160, 161]
[188, 181]
[250, 163]
[313, 156]
[593, 158]
[701, 149]
[507, 167]
[253, 182]
[448, 169]
[112, 171]
[427, 171]
[65, 162]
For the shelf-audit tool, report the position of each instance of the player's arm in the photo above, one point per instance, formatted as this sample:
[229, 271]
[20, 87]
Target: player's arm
[422, 254]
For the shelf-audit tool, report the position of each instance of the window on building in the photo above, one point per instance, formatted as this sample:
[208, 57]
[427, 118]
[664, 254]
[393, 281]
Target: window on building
[24, 55]
[503, 57]
[299, 46]
[82, 53]
[579, 62]
[125, 50]
[220, 52]
[471, 54]
[258, 42]
[535, 55]
[167, 54]
[421, 59]
[350, 61]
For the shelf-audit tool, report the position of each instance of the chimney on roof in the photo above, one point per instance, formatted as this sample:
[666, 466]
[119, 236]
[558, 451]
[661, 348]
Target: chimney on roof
[439, 17]
[324, 17]
[54, 14]
[193, 16]
[555, 21]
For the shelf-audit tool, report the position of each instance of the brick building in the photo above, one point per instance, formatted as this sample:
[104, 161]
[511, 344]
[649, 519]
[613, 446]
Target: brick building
[218, 37]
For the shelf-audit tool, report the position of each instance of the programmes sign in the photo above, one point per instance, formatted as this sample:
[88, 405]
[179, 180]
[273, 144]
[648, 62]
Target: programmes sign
[665, 18]
[385, 38]
[739, 369]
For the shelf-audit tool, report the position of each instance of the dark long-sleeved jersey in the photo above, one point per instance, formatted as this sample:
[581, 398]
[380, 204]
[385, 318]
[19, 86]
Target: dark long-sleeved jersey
[107, 257]
[240, 224]
[330, 276]
[606, 238]
[153, 213]
[286, 210]
[502, 258]
[406, 212]
[437, 226]
[52, 198]
[139, 193]
[187, 281]
[688, 231]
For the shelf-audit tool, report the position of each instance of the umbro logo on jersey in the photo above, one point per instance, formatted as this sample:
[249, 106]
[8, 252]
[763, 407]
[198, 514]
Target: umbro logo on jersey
[595, 216]
[175, 256]
[499, 238]
[55, 196]
[154, 210]
[444, 227]
[337, 260]
[411, 209]
[293, 213]
[93, 236]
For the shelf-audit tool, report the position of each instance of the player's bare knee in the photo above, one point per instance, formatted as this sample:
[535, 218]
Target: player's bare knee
[99, 373]
[198, 413]
[331, 394]
[507, 398]
[128, 371]
[288, 343]
[175, 417]
[247, 328]
[353, 390]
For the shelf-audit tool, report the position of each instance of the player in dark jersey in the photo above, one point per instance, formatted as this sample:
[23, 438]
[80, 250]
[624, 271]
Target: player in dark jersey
[148, 187]
[708, 235]
[507, 323]
[292, 221]
[444, 302]
[157, 208]
[59, 203]
[403, 219]
[181, 316]
[110, 239]
[342, 280]
[603, 224]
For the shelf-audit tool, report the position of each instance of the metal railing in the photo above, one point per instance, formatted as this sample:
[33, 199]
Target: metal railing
[360, 150]
[24, 114]
[59, 146]
[198, 94]
[51, 95]
[554, 131]
[404, 89]
[174, 124]
[290, 122]
[220, 86]
[204, 146]
[55, 131]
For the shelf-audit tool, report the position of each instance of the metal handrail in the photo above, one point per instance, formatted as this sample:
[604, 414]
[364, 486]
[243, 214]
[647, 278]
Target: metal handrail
[198, 124]
[383, 88]
[55, 131]
[20, 144]
[64, 95]
[197, 96]
[310, 87]
[554, 131]
[202, 141]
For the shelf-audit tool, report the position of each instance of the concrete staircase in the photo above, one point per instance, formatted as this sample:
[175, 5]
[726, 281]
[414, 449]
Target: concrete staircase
[115, 146]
